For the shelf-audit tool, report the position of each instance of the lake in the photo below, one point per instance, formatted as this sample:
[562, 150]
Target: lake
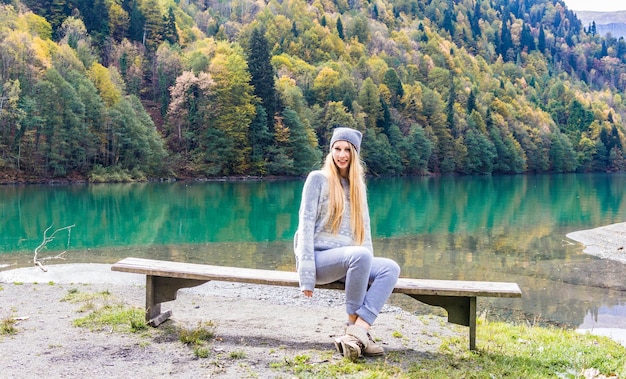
[502, 228]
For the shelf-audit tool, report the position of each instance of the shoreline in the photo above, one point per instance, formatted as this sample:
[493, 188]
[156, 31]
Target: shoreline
[100, 275]
[605, 242]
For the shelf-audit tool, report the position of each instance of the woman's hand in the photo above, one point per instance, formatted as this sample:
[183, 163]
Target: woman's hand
[307, 293]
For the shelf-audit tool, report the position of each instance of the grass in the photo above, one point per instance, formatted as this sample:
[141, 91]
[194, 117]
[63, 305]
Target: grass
[504, 351]
[104, 313]
[7, 325]
[197, 336]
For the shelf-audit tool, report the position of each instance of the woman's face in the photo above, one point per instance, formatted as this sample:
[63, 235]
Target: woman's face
[342, 157]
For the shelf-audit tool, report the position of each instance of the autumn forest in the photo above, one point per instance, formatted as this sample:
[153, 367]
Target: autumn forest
[126, 90]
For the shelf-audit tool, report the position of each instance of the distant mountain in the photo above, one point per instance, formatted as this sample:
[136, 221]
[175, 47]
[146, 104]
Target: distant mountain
[606, 22]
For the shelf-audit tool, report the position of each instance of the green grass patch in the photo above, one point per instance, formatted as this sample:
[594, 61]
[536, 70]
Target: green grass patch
[7, 325]
[105, 313]
[201, 352]
[115, 317]
[237, 354]
[504, 351]
[75, 296]
[197, 336]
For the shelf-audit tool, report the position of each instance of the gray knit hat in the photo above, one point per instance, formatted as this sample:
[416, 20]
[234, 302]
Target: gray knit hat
[347, 134]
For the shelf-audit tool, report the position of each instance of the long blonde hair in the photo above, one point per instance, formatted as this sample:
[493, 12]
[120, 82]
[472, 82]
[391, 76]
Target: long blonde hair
[336, 203]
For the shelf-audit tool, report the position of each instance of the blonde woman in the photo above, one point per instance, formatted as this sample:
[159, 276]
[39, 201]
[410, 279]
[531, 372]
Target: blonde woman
[334, 242]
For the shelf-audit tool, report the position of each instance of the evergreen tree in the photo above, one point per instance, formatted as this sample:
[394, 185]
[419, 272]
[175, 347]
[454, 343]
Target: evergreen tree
[300, 148]
[392, 81]
[506, 41]
[381, 158]
[260, 141]
[170, 34]
[137, 20]
[475, 20]
[369, 99]
[152, 34]
[541, 40]
[415, 151]
[262, 74]
[471, 102]
[294, 29]
[340, 28]
[481, 153]
[449, 19]
[562, 155]
[527, 41]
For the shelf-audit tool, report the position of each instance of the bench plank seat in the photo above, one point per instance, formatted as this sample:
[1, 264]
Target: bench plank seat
[165, 278]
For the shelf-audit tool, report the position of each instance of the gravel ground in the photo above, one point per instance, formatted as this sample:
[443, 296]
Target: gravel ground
[256, 327]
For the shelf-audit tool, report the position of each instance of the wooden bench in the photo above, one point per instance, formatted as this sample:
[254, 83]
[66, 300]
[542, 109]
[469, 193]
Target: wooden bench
[164, 279]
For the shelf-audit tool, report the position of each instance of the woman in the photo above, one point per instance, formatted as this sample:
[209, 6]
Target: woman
[334, 242]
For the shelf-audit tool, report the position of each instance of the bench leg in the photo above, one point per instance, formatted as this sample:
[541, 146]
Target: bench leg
[162, 289]
[461, 311]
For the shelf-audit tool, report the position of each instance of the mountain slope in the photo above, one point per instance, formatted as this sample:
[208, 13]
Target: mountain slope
[255, 87]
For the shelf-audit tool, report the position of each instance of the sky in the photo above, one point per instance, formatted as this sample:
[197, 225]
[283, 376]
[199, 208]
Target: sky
[596, 5]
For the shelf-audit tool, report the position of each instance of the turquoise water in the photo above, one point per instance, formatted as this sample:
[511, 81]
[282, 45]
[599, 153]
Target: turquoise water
[509, 228]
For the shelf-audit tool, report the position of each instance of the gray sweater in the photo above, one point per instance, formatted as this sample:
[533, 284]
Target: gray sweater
[313, 233]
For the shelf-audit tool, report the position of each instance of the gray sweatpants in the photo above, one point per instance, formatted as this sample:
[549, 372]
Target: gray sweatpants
[356, 266]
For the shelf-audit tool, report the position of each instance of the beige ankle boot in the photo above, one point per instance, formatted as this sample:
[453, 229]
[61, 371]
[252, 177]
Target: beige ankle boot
[372, 349]
[354, 343]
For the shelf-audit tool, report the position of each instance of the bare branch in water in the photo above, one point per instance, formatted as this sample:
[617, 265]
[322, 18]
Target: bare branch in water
[47, 239]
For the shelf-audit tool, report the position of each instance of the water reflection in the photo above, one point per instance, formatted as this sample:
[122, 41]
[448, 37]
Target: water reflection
[480, 228]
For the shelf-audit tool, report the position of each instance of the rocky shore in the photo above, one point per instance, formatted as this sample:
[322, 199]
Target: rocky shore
[608, 242]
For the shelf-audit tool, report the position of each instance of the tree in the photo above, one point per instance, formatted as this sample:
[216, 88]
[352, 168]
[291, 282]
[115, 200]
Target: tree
[340, 28]
[381, 158]
[301, 147]
[119, 21]
[562, 155]
[61, 149]
[415, 151]
[233, 106]
[541, 40]
[152, 33]
[369, 99]
[139, 145]
[480, 153]
[170, 33]
[137, 25]
[188, 111]
[392, 81]
[262, 73]
[260, 141]
[443, 159]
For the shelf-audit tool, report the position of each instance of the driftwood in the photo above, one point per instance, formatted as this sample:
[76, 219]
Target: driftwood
[47, 239]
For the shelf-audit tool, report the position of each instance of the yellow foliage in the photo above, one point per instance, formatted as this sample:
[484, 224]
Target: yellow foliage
[325, 80]
[378, 66]
[36, 25]
[385, 93]
[102, 79]
[43, 51]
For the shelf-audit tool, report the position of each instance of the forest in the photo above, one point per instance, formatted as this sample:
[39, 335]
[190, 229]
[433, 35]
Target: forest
[134, 90]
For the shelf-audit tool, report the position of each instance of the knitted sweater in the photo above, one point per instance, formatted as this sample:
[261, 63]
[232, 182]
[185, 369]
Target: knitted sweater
[313, 233]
